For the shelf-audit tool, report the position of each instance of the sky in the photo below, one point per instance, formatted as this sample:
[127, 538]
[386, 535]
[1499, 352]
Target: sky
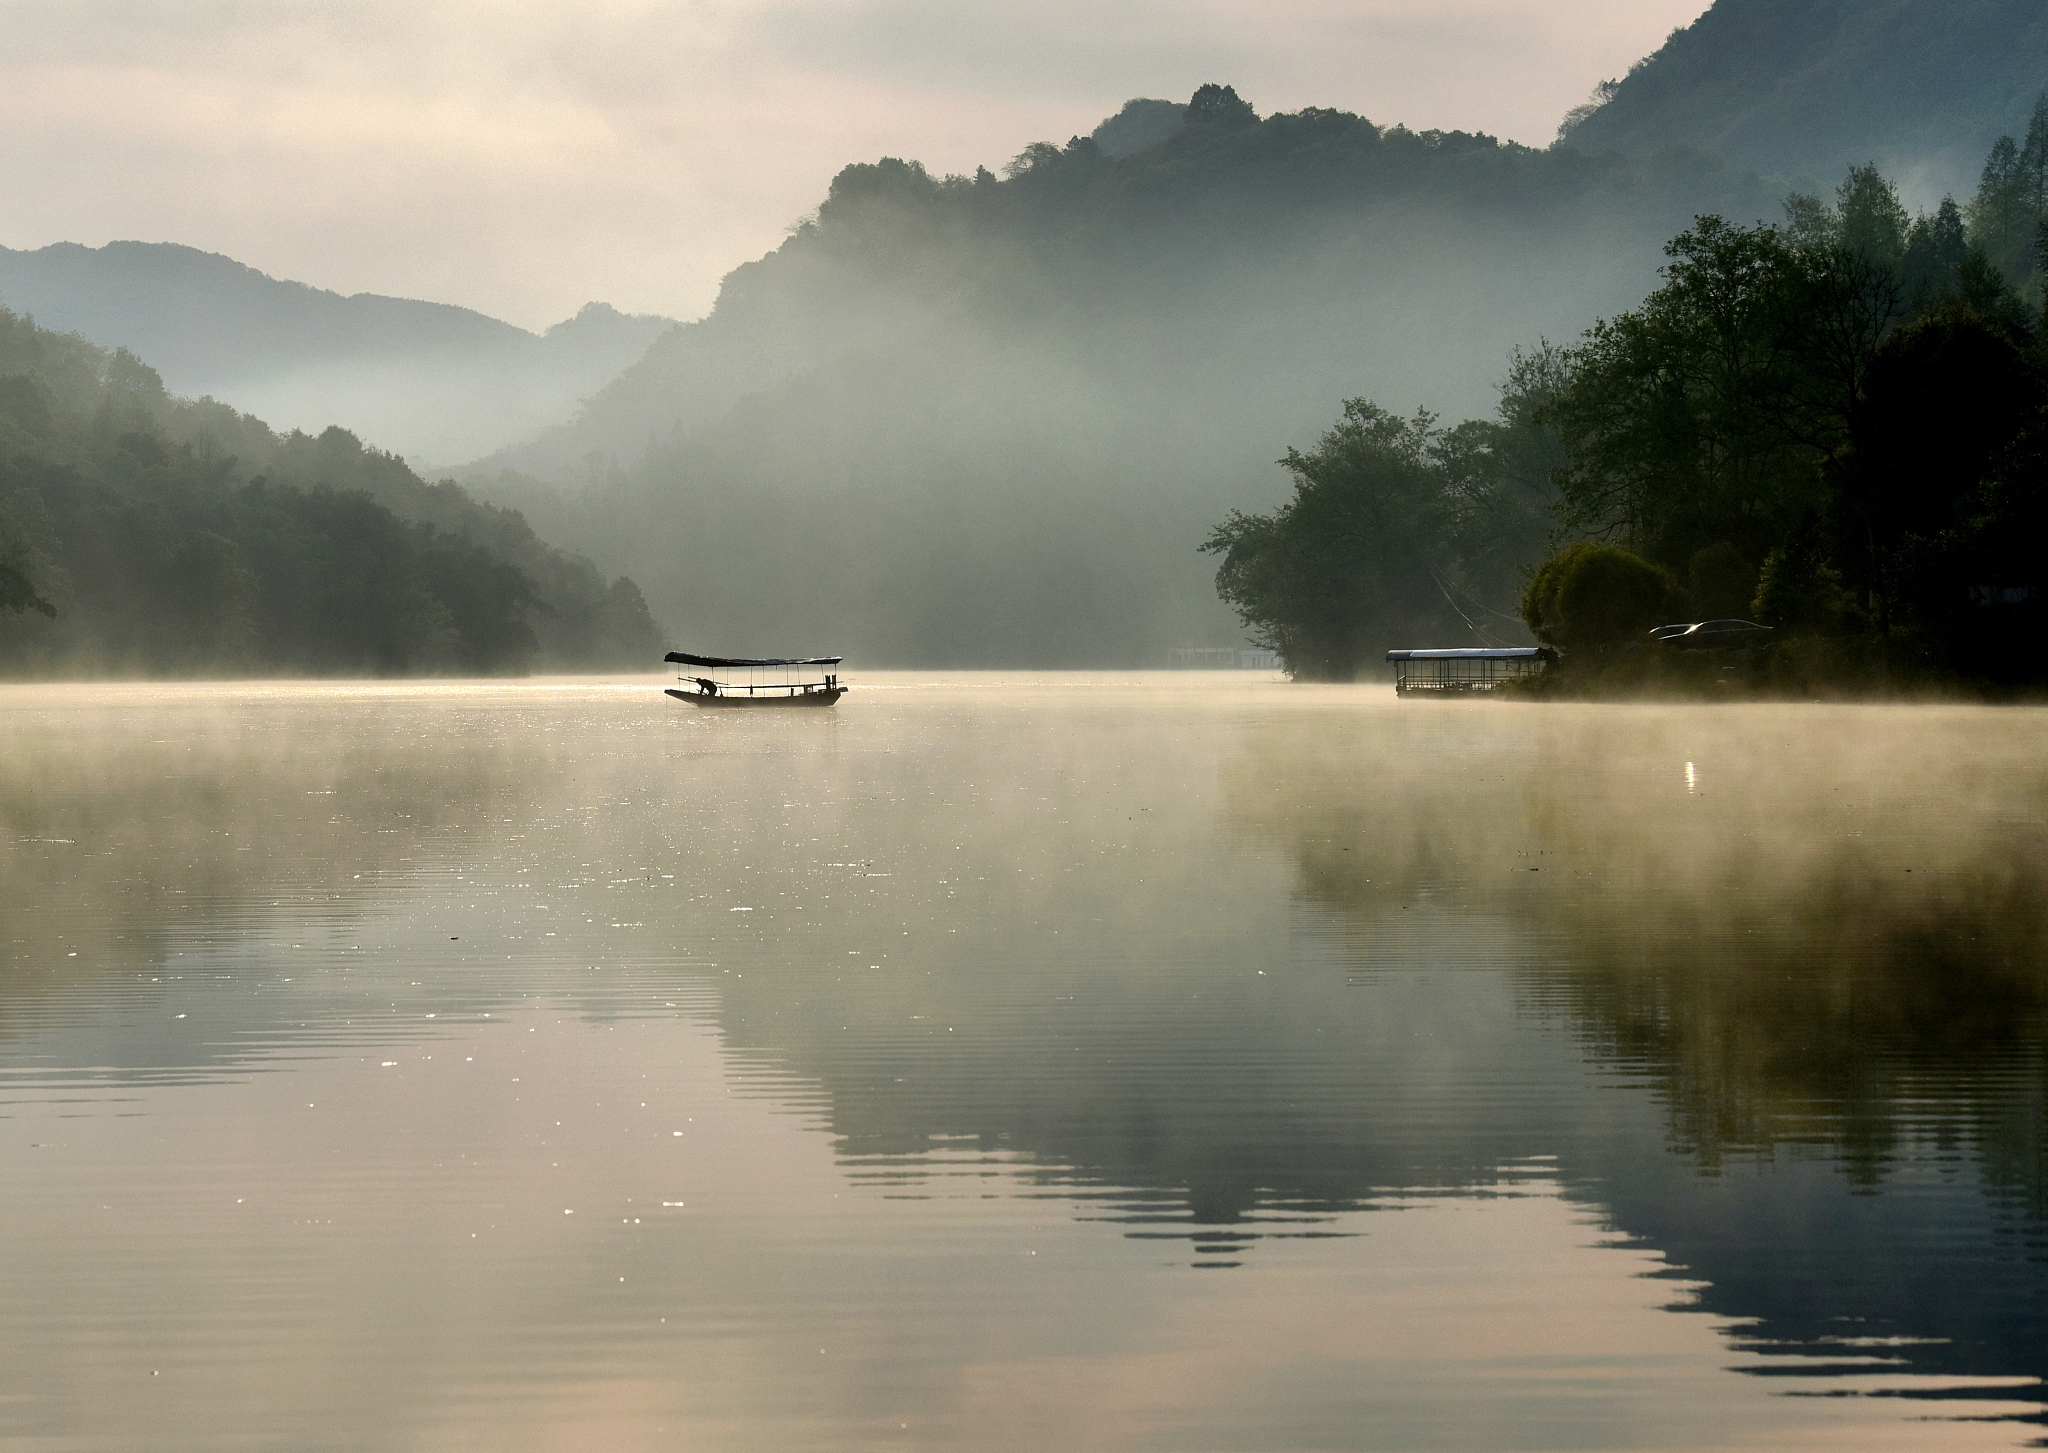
[524, 158]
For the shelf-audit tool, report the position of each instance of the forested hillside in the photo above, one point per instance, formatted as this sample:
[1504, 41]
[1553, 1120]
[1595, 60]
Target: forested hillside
[1836, 427]
[143, 534]
[989, 418]
[1800, 90]
[428, 380]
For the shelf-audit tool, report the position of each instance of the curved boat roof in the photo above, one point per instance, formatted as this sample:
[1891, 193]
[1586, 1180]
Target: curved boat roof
[1476, 653]
[686, 659]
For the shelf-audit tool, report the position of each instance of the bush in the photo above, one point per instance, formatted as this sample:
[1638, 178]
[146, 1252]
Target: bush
[1799, 590]
[1591, 597]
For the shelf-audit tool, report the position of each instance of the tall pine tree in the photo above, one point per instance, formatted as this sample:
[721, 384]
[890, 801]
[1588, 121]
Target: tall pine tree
[2001, 218]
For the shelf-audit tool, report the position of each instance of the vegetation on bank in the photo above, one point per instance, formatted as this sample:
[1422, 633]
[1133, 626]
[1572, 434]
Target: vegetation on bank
[1398, 530]
[982, 419]
[143, 534]
[1837, 427]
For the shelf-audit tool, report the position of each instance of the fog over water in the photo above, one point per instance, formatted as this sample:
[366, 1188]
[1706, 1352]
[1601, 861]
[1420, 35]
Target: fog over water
[1032, 1061]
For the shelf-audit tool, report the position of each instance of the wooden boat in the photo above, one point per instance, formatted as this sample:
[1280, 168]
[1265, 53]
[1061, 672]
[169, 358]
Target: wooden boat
[754, 691]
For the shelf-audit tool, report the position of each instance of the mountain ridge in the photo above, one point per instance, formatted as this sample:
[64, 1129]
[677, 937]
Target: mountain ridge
[834, 286]
[146, 534]
[988, 420]
[1800, 90]
[434, 381]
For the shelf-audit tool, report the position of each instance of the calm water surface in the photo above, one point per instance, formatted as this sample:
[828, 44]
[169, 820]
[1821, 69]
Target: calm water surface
[1175, 1062]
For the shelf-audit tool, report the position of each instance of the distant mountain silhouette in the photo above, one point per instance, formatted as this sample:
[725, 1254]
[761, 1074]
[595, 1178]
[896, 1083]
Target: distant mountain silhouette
[143, 534]
[988, 419]
[433, 382]
[1802, 89]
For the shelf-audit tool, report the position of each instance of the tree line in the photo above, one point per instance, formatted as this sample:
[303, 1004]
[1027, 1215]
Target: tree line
[1836, 426]
[984, 419]
[146, 534]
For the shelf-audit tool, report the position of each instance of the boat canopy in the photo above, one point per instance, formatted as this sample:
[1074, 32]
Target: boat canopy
[684, 658]
[1477, 653]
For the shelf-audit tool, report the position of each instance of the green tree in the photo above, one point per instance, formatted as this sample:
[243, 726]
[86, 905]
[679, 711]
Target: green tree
[20, 560]
[18, 592]
[2001, 216]
[1679, 417]
[1873, 221]
[1949, 397]
[1866, 216]
[1356, 559]
[1499, 474]
[17, 589]
[130, 523]
[1704, 417]
[1799, 588]
[1937, 250]
[1766, 427]
[1840, 426]
[207, 598]
[1810, 222]
[2031, 171]
[1593, 597]
[1214, 105]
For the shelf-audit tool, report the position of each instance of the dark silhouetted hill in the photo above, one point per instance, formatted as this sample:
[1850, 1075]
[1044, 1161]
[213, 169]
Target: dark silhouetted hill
[434, 382]
[144, 534]
[1803, 89]
[1140, 124]
[988, 419]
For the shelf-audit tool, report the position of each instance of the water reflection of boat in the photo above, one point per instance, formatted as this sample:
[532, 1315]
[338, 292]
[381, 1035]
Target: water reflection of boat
[754, 690]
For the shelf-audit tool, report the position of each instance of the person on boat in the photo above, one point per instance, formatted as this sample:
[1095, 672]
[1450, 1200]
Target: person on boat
[710, 687]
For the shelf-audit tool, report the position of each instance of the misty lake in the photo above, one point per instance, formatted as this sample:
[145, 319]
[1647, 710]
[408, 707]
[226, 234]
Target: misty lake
[1173, 1061]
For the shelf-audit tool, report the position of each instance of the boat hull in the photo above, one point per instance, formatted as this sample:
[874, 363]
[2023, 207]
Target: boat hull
[823, 697]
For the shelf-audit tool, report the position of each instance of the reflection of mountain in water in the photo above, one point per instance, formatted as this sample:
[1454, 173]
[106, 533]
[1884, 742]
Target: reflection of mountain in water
[1225, 981]
[1830, 967]
[1782, 1024]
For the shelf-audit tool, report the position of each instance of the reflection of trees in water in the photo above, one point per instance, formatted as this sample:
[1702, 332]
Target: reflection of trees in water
[1908, 1053]
[1916, 1034]
[1065, 971]
[1169, 1083]
[1831, 944]
[1829, 952]
[1070, 1002]
[1067, 1034]
[1135, 1053]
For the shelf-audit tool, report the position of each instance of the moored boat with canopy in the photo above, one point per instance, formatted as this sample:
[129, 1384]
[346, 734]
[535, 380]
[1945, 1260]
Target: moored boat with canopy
[1458, 670]
[754, 689]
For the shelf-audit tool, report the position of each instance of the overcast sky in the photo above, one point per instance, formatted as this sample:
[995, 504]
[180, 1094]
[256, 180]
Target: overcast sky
[523, 158]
